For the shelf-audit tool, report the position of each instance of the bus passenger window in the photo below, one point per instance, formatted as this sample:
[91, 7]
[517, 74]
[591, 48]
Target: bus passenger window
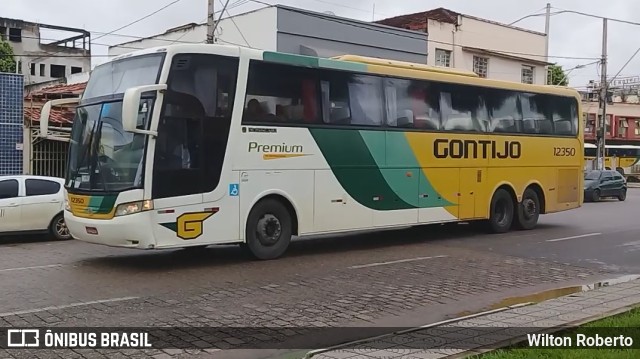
[281, 94]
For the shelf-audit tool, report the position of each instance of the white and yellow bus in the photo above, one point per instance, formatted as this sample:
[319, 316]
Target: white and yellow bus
[622, 158]
[194, 145]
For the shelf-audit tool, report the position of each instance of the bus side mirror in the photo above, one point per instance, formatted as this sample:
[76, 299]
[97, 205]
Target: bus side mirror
[45, 113]
[131, 107]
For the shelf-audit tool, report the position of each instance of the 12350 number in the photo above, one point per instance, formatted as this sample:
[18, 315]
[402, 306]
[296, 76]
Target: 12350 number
[564, 151]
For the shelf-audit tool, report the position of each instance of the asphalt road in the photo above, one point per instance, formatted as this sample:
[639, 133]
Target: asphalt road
[404, 277]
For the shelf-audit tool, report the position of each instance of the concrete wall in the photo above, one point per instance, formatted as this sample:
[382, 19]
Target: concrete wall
[489, 36]
[30, 45]
[322, 35]
[11, 120]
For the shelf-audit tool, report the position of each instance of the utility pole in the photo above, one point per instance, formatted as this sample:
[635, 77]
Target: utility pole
[210, 22]
[602, 112]
[546, 44]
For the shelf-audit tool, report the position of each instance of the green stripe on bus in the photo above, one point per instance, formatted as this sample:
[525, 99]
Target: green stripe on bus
[355, 168]
[102, 204]
[290, 59]
[401, 170]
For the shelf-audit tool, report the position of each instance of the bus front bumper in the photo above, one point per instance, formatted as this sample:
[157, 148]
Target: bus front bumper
[131, 231]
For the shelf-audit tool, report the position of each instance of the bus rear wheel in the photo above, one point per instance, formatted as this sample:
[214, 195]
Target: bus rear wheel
[501, 212]
[528, 210]
[269, 230]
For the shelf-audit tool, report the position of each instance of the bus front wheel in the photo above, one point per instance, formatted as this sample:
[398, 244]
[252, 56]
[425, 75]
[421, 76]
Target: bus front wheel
[501, 212]
[528, 210]
[269, 230]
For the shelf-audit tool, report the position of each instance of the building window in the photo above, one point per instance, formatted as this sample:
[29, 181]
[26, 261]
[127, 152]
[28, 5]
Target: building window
[58, 71]
[42, 70]
[527, 74]
[480, 65]
[19, 65]
[76, 70]
[637, 128]
[622, 127]
[15, 35]
[32, 69]
[3, 33]
[443, 58]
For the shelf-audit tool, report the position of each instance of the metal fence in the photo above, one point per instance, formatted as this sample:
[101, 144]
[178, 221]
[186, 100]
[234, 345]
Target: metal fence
[48, 157]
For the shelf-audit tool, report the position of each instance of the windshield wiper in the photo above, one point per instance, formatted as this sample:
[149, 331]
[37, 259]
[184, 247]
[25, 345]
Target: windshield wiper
[96, 159]
[85, 153]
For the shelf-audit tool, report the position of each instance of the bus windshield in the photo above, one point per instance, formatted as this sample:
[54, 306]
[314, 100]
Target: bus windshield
[102, 156]
[117, 76]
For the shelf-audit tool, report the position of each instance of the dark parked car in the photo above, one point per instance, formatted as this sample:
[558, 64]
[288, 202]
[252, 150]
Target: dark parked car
[599, 184]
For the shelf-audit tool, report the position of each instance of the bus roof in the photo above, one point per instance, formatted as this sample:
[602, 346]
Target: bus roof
[363, 64]
[404, 65]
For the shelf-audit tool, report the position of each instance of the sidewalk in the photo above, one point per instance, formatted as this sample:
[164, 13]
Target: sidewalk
[499, 328]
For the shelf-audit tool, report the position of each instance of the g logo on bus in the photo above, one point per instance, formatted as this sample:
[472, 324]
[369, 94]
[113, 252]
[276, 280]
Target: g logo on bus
[190, 225]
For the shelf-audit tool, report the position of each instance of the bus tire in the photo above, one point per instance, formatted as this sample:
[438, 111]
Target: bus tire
[501, 212]
[269, 230]
[528, 210]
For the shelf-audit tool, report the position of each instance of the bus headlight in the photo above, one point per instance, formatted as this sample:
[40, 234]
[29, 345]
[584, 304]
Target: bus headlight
[66, 205]
[134, 207]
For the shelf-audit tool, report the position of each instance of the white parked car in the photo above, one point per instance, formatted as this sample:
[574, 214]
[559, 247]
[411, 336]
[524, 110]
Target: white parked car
[32, 204]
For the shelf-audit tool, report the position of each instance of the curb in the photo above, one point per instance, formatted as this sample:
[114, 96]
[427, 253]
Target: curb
[577, 323]
[448, 321]
[508, 342]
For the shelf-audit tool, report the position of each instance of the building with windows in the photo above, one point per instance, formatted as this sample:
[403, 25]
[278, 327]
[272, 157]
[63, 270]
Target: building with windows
[297, 31]
[488, 48]
[623, 111]
[41, 59]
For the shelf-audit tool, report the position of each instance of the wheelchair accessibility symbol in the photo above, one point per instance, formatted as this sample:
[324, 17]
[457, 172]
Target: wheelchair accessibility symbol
[234, 189]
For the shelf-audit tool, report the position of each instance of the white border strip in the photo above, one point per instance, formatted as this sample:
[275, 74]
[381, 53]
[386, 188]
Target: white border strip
[394, 262]
[574, 237]
[34, 267]
[319, 351]
[72, 305]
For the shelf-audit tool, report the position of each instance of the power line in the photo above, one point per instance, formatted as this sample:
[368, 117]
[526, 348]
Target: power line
[236, 25]
[561, 11]
[623, 67]
[122, 27]
[139, 20]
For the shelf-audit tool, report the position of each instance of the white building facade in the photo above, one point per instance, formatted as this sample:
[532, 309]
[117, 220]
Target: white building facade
[488, 48]
[42, 60]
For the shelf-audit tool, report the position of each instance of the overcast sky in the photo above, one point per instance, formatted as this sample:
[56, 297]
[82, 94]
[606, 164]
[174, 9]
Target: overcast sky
[571, 35]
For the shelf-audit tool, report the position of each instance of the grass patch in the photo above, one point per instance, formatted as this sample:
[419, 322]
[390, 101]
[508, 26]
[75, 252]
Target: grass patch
[625, 320]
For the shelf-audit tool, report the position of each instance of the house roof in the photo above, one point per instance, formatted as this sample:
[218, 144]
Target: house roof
[417, 21]
[59, 90]
[61, 116]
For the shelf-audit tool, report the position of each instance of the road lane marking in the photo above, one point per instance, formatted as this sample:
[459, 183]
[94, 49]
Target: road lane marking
[34, 267]
[394, 262]
[72, 305]
[574, 237]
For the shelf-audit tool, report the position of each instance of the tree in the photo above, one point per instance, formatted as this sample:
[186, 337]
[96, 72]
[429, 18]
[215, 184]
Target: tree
[7, 62]
[558, 76]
